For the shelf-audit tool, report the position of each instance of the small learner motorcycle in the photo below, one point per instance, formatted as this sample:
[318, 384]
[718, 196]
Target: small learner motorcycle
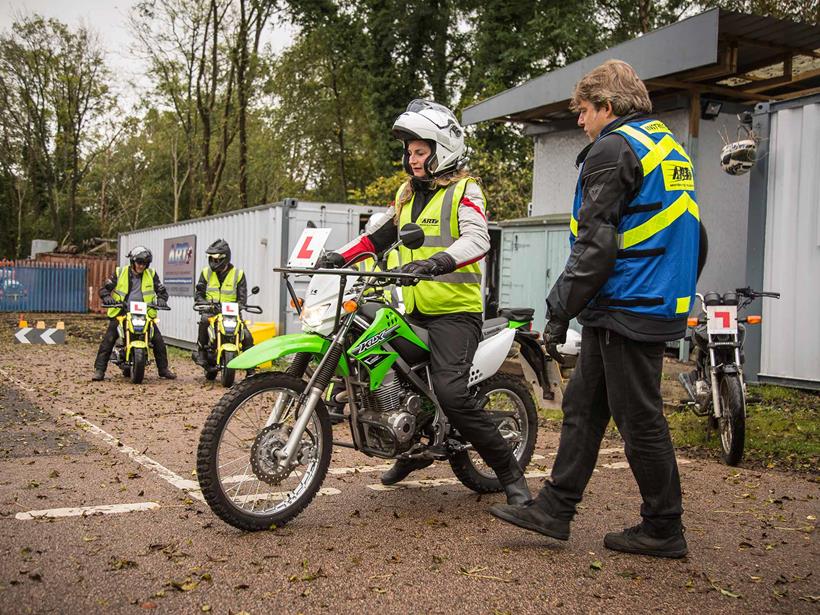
[716, 386]
[136, 330]
[225, 330]
[265, 449]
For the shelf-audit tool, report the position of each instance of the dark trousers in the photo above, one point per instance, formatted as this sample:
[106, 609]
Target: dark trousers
[617, 377]
[203, 340]
[110, 338]
[453, 342]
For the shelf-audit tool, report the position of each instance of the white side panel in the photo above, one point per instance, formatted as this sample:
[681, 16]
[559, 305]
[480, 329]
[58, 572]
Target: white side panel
[791, 327]
[490, 355]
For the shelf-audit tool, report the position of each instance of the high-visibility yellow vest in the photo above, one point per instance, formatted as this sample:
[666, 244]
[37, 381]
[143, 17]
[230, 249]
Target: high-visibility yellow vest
[146, 292]
[225, 292]
[459, 291]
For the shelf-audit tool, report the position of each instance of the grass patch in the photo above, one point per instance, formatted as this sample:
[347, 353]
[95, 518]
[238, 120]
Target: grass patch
[782, 429]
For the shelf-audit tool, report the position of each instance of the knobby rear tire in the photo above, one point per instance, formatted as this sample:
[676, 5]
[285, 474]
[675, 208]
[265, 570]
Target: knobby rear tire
[208, 450]
[462, 464]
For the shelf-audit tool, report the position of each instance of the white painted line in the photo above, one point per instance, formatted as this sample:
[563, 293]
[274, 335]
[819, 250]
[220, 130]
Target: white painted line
[85, 511]
[436, 482]
[144, 460]
[622, 465]
[377, 468]
[617, 465]
[355, 470]
[256, 497]
[19, 383]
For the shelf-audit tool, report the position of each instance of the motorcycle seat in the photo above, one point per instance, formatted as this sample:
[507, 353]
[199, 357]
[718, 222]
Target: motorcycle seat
[518, 314]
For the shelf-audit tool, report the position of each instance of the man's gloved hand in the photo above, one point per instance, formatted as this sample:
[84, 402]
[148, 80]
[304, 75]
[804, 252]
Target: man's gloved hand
[330, 260]
[161, 303]
[555, 333]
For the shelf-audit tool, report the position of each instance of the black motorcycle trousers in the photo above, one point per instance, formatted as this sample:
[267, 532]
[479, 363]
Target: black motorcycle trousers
[202, 337]
[110, 338]
[617, 377]
[454, 339]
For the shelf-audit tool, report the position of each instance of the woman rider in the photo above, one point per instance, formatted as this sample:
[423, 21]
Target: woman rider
[449, 205]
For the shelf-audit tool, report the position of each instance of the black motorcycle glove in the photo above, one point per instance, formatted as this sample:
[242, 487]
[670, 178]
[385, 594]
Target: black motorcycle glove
[161, 303]
[330, 260]
[555, 333]
[438, 264]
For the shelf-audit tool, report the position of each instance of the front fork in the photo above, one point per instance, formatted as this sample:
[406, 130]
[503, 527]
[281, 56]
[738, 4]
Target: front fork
[717, 410]
[318, 382]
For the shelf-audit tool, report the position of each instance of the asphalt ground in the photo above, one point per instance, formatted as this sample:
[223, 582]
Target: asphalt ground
[68, 443]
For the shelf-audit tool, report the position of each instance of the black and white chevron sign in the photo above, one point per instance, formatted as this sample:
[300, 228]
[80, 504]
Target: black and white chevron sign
[30, 335]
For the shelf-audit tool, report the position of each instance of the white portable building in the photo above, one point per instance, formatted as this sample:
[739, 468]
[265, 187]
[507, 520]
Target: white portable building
[261, 238]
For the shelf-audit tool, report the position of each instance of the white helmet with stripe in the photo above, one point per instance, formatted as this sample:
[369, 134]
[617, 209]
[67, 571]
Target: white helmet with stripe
[434, 123]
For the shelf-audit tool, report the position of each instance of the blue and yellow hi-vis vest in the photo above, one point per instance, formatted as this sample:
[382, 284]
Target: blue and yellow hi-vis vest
[656, 269]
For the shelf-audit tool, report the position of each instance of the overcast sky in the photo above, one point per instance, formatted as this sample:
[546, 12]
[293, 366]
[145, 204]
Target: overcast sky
[109, 18]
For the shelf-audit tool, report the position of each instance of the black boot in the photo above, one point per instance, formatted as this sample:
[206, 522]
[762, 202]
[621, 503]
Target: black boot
[402, 468]
[99, 374]
[200, 356]
[167, 374]
[514, 483]
[534, 517]
[636, 540]
[518, 493]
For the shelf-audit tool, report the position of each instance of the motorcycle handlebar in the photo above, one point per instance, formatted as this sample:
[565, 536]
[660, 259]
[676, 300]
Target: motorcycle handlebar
[754, 294]
[124, 305]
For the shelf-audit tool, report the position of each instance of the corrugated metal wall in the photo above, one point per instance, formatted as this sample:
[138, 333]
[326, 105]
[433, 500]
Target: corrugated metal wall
[98, 268]
[29, 286]
[791, 326]
[259, 242]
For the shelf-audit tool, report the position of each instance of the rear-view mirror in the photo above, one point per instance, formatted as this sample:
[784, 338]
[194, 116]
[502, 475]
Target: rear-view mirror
[411, 236]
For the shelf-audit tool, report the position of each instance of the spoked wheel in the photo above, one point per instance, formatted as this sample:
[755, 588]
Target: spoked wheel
[508, 401]
[732, 422]
[237, 462]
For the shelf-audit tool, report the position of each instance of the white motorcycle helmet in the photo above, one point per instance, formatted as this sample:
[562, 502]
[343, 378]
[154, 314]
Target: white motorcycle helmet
[437, 125]
[739, 157]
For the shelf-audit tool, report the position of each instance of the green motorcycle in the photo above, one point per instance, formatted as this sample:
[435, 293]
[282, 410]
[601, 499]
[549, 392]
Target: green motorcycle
[265, 448]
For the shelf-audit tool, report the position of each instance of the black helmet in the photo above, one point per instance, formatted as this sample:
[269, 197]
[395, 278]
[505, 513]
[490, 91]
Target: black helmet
[141, 255]
[219, 255]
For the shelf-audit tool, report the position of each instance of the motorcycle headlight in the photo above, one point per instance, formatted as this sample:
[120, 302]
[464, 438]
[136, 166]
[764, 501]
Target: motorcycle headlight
[138, 321]
[229, 323]
[314, 315]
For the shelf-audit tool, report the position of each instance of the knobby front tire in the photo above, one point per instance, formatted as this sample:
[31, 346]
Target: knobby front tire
[232, 434]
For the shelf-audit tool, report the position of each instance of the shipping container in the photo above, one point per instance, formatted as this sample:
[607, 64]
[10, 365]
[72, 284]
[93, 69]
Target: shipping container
[261, 238]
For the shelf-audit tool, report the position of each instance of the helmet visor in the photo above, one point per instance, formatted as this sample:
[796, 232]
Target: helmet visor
[216, 260]
[141, 260]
